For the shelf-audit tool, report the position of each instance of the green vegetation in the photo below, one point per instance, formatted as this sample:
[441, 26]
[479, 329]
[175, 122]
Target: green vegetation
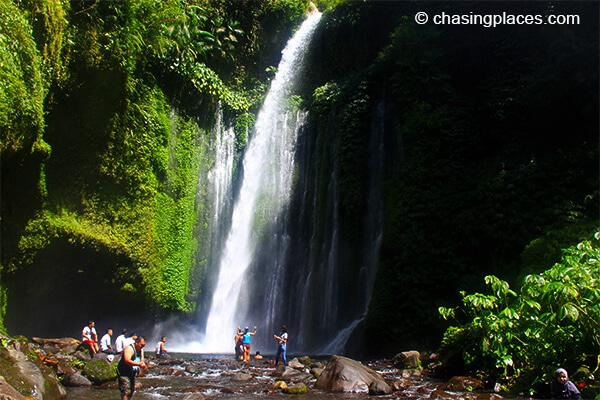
[106, 113]
[520, 338]
[490, 157]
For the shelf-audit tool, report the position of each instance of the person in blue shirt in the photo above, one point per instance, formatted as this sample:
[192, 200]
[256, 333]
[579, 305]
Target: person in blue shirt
[246, 341]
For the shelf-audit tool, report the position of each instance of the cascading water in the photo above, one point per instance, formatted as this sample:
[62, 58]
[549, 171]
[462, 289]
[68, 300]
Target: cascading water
[268, 169]
[220, 178]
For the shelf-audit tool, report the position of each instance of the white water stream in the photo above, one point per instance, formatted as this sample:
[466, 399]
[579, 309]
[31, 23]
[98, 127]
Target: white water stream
[265, 191]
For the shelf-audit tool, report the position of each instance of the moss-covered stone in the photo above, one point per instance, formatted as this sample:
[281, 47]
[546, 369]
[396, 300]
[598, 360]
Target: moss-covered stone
[298, 388]
[99, 371]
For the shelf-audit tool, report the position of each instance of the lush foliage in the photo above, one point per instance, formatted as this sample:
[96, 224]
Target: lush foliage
[520, 338]
[106, 113]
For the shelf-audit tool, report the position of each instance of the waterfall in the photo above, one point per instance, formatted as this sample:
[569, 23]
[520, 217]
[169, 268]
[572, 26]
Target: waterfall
[268, 169]
[220, 179]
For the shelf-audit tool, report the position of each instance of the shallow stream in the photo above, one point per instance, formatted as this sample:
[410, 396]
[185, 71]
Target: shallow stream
[217, 377]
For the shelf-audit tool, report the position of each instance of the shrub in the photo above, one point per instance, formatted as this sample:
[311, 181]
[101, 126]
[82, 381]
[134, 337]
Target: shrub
[520, 338]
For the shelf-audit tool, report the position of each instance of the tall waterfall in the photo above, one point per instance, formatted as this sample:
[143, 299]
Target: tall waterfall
[268, 169]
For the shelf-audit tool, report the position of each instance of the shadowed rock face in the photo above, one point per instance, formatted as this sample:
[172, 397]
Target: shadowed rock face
[67, 285]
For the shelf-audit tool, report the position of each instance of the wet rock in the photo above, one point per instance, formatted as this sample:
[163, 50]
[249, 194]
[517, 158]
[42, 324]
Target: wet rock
[442, 394]
[7, 392]
[25, 372]
[83, 356]
[65, 366]
[100, 370]
[295, 363]
[192, 369]
[346, 375]
[58, 345]
[194, 396]
[379, 387]
[462, 384]
[407, 360]
[280, 385]
[290, 373]
[400, 384]
[298, 388]
[305, 360]
[76, 380]
[241, 377]
[316, 371]
[408, 373]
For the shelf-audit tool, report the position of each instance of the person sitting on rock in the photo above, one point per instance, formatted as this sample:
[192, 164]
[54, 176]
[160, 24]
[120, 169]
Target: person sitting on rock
[105, 345]
[120, 341]
[90, 337]
[160, 350]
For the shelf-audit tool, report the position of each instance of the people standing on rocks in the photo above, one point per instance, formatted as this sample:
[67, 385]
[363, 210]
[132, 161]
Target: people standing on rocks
[246, 341]
[239, 347]
[120, 341]
[282, 345]
[105, 343]
[90, 337]
[562, 387]
[160, 350]
[129, 366]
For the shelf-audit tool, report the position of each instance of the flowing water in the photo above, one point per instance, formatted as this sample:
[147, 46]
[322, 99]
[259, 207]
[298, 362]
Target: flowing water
[216, 377]
[265, 192]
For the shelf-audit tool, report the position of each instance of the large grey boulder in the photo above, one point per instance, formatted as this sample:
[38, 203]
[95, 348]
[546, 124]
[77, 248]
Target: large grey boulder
[343, 374]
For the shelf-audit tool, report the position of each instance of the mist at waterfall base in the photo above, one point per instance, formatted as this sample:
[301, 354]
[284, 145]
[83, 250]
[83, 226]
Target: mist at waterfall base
[272, 270]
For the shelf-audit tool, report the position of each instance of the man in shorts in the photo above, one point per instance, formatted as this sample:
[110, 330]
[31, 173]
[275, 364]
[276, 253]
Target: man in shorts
[129, 366]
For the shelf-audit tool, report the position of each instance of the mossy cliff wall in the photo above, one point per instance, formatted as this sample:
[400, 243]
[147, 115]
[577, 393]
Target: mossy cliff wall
[108, 118]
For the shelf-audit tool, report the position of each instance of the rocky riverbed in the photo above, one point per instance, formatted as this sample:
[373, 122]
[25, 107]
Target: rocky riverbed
[49, 369]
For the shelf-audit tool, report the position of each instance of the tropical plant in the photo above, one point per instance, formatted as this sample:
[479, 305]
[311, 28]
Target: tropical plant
[520, 338]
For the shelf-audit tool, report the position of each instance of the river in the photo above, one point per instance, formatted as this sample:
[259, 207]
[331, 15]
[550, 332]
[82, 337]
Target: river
[222, 377]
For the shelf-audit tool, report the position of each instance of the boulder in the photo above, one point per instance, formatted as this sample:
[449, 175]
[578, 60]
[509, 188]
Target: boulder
[290, 373]
[241, 377]
[343, 374]
[295, 363]
[316, 371]
[76, 380]
[280, 385]
[192, 369]
[400, 384]
[100, 370]
[379, 387]
[298, 388]
[305, 360]
[407, 360]
[58, 345]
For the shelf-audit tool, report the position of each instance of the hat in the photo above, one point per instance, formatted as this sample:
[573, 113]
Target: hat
[246, 329]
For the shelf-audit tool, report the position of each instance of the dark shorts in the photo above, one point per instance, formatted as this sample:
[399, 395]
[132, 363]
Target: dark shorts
[126, 385]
